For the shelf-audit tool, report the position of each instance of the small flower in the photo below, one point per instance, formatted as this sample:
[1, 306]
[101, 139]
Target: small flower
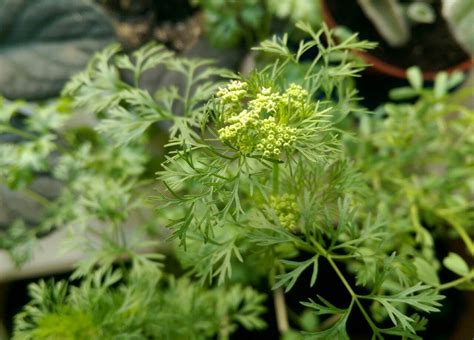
[258, 126]
[266, 101]
[233, 93]
[286, 209]
[296, 95]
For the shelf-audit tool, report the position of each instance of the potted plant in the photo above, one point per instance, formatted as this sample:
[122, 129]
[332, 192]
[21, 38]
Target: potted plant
[436, 36]
[23, 197]
[248, 22]
[408, 40]
[264, 188]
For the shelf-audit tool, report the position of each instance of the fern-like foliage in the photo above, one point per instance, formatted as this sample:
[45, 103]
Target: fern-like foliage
[264, 178]
[268, 180]
[141, 303]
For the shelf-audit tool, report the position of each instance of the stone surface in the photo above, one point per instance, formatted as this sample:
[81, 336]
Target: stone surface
[18, 205]
[44, 42]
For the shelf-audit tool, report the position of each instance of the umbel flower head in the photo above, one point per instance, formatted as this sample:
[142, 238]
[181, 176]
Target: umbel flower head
[259, 123]
[286, 209]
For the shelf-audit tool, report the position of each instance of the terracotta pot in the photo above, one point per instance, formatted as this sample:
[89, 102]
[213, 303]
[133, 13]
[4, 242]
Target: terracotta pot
[381, 67]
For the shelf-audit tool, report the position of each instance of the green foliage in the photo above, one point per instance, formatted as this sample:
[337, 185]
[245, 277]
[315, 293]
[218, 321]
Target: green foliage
[226, 184]
[296, 10]
[229, 23]
[103, 168]
[99, 181]
[417, 160]
[102, 182]
[456, 263]
[247, 22]
[127, 111]
[18, 240]
[265, 179]
[141, 303]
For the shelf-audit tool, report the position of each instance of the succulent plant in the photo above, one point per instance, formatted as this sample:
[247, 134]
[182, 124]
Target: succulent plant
[460, 17]
[392, 19]
[387, 17]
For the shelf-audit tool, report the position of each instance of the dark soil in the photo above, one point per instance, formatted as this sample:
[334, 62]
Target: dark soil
[432, 46]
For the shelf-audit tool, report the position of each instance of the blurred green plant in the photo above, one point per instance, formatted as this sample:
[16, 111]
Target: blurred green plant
[418, 163]
[247, 22]
[141, 303]
[101, 159]
[269, 183]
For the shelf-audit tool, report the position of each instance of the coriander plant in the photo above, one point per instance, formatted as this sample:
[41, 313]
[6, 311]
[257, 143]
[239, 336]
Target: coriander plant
[266, 181]
[417, 160]
[102, 161]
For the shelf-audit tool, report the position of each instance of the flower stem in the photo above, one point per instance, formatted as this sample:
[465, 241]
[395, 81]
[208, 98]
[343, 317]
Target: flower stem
[276, 179]
[224, 329]
[280, 310]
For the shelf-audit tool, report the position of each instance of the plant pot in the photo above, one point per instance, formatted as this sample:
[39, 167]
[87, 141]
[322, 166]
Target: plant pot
[385, 74]
[379, 65]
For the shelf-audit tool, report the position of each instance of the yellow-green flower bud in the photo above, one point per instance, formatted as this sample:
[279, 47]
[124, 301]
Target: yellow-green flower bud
[286, 209]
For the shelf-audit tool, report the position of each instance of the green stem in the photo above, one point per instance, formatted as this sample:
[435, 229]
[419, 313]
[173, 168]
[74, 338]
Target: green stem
[280, 310]
[460, 230]
[415, 220]
[329, 322]
[121, 237]
[355, 297]
[464, 236]
[276, 179]
[321, 250]
[36, 197]
[187, 92]
[224, 329]
[11, 129]
[456, 282]
[341, 277]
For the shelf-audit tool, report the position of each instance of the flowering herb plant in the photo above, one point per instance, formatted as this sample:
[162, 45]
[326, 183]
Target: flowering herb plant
[266, 182]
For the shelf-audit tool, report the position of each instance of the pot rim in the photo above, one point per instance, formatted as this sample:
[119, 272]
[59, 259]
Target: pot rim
[387, 68]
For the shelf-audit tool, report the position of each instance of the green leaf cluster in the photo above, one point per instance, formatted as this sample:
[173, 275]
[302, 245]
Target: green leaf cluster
[367, 194]
[247, 22]
[140, 303]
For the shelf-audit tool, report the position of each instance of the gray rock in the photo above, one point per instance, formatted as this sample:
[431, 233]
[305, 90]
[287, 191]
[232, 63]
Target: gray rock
[16, 205]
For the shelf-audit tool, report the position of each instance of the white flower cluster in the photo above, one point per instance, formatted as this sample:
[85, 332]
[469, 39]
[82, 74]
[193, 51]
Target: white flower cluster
[261, 124]
[297, 96]
[233, 93]
[241, 130]
[266, 101]
[286, 209]
[274, 137]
